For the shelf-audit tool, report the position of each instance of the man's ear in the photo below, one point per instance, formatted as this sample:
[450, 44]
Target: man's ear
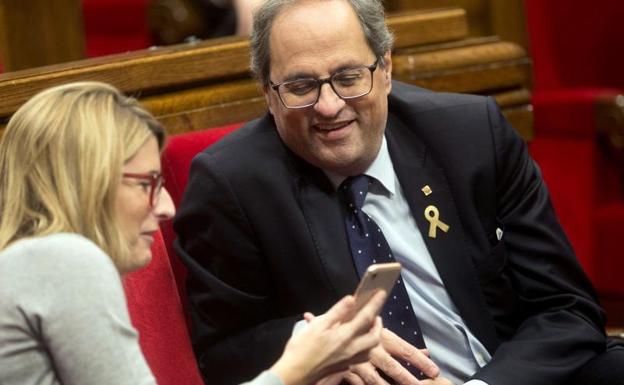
[387, 68]
[267, 96]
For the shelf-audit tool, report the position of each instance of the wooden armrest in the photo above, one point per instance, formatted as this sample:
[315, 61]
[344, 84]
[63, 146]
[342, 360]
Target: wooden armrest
[615, 332]
[609, 114]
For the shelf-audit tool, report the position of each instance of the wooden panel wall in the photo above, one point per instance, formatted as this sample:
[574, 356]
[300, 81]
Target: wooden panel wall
[207, 84]
[40, 32]
[503, 18]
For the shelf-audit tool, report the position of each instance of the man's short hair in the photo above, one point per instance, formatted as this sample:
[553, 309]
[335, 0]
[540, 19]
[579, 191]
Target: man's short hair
[369, 12]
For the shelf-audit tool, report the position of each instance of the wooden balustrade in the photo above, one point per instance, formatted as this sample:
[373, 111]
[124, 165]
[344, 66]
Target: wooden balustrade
[207, 84]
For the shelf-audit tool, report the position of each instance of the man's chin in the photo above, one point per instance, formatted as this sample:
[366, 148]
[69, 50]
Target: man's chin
[345, 167]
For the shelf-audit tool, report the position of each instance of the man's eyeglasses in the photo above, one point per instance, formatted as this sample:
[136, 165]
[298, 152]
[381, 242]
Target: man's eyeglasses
[349, 83]
[154, 181]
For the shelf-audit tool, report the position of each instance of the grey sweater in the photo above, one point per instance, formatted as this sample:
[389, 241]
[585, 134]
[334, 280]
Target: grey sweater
[64, 318]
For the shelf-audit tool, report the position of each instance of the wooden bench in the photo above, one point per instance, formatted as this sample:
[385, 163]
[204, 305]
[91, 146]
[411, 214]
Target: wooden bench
[207, 84]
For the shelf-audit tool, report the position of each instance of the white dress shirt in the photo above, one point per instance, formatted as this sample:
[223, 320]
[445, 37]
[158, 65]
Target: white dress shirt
[451, 345]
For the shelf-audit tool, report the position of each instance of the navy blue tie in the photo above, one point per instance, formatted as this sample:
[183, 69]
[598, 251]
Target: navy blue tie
[368, 245]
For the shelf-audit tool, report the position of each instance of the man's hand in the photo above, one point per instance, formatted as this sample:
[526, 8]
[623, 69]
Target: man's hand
[333, 379]
[383, 357]
[436, 381]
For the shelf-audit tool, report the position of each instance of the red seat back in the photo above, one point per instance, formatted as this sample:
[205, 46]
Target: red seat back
[176, 162]
[114, 26]
[575, 44]
[576, 62]
[156, 312]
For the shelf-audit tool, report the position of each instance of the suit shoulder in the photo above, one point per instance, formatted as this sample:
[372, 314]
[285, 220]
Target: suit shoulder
[245, 138]
[248, 150]
[447, 122]
[411, 99]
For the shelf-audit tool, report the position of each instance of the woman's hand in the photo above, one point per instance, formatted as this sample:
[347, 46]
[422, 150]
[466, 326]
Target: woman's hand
[331, 342]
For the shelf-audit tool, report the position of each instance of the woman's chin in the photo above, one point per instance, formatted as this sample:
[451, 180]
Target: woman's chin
[138, 260]
[143, 259]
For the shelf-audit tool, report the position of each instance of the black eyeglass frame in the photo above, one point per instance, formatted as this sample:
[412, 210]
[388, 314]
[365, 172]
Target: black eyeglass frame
[320, 82]
[156, 183]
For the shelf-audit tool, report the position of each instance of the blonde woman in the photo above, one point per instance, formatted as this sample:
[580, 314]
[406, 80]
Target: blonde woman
[81, 197]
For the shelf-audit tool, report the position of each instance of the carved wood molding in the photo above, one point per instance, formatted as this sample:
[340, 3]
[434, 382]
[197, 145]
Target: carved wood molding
[209, 61]
[471, 65]
[208, 84]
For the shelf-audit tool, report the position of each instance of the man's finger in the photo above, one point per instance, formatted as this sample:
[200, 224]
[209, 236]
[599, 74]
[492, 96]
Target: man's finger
[368, 374]
[353, 379]
[397, 347]
[333, 379]
[392, 368]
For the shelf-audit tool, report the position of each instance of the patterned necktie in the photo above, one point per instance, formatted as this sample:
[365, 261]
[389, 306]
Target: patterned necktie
[368, 245]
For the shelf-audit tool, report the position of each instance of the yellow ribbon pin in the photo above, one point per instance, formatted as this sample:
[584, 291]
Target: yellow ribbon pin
[433, 216]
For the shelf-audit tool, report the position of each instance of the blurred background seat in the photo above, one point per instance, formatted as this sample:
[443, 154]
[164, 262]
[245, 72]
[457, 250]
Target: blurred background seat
[578, 130]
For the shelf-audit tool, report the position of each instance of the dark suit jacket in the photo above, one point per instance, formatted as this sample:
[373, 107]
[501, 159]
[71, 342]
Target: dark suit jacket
[262, 234]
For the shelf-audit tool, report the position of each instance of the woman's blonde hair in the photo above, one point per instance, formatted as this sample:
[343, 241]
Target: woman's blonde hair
[61, 157]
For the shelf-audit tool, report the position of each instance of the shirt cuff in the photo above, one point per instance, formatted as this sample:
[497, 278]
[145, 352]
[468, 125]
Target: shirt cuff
[265, 378]
[302, 324]
[475, 382]
[299, 327]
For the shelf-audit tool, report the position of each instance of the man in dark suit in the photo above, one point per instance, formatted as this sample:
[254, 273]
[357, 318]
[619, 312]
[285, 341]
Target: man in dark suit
[494, 284]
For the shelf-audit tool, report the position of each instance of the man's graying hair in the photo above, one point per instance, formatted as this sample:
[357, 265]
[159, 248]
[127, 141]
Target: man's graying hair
[369, 12]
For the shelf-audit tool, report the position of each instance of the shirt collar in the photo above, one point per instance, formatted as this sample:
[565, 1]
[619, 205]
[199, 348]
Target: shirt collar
[381, 170]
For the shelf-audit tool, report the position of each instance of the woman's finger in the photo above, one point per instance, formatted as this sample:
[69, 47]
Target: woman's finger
[366, 316]
[338, 312]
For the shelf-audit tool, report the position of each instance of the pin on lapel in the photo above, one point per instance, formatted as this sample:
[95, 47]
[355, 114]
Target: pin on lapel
[432, 214]
[426, 190]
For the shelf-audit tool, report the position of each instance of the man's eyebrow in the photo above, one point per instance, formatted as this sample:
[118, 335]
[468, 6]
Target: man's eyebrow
[347, 66]
[298, 76]
[306, 75]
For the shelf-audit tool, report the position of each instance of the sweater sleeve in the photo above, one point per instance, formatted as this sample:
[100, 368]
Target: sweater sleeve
[70, 298]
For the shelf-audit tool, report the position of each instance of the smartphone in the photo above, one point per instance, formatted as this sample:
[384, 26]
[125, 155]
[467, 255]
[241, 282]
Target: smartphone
[378, 276]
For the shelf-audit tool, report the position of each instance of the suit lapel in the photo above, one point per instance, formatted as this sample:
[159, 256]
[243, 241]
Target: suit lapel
[415, 169]
[323, 215]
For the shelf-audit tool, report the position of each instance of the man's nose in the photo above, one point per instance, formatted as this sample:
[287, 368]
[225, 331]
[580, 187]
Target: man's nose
[329, 103]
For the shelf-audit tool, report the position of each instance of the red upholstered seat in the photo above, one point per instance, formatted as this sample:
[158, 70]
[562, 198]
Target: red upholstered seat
[156, 294]
[115, 26]
[176, 162]
[180, 151]
[610, 272]
[576, 44]
[562, 172]
[577, 60]
[609, 237]
[157, 313]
